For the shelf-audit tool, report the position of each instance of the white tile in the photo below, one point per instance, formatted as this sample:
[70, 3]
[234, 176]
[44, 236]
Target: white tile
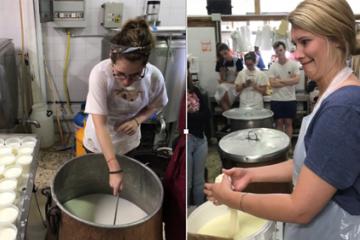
[78, 48]
[77, 88]
[56, 69]
[56, 50]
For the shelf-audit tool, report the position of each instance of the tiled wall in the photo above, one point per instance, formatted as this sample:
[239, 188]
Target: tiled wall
[85, 52]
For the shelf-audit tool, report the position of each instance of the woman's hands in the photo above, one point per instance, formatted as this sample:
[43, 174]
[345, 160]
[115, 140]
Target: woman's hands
[235, 179]
[115, 179]
[116, 182]
[240, 177]
[218, 192]
[129, 127]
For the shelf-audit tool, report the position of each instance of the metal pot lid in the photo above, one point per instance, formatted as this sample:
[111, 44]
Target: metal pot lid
[254, 143]
[248, 113]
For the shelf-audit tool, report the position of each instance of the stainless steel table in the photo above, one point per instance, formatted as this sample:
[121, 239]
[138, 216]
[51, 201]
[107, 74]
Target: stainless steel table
[25, 193]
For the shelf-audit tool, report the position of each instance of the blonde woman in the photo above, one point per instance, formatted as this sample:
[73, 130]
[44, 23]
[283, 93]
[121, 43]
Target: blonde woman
[325, 202]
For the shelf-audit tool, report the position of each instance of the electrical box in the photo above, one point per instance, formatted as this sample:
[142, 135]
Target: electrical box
[46, 11]
[69, 14]
[112, 14]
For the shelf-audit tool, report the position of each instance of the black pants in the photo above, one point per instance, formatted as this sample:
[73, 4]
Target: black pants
[129, 154]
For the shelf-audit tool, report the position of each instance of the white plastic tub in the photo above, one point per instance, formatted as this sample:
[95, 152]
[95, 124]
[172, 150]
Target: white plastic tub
[8, 232]
[208, 212]
[8, 215]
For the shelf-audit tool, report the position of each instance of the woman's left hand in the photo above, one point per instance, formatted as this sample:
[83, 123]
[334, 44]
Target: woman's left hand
[218, 192]
[129, 127]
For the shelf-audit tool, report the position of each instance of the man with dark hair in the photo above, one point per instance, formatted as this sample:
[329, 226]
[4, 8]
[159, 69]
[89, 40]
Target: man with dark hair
[283, 76]
[251, 83]
[228, 67]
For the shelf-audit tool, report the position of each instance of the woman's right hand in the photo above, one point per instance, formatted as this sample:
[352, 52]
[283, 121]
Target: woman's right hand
[116, 183]
[240, 177]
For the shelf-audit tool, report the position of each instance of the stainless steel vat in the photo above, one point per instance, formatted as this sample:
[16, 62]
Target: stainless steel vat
[87, 175]
[253, 148]
[243, 118]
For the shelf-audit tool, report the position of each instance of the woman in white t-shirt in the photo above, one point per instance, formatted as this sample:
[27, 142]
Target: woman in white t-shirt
[124, 91]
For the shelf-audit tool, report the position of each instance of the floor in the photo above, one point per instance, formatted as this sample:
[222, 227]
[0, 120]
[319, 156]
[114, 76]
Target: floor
[50, 160]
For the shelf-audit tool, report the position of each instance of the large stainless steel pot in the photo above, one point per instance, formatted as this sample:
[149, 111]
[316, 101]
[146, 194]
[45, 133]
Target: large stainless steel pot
[256, 147]
[87, 175]
[208, 211]
[243, 118]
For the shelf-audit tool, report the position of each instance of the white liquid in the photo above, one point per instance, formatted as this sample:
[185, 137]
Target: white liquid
[8, 184]
[8, 215]
[7, 233]
[100, 208]
[220, 226]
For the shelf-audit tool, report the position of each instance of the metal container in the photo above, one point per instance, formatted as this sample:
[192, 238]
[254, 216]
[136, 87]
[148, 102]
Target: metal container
[243, 118]
[169, 55]
[208, 211]
[256, 147]
[8, 85]
[87, 175]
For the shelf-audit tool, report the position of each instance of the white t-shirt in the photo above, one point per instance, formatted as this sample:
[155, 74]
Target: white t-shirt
[284, 72]
[107, 97]
[249, 97]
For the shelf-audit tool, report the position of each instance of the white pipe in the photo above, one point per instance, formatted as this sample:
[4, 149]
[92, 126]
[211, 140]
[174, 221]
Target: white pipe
[40, 50]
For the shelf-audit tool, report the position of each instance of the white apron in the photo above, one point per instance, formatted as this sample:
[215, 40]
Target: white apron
[229, 85]
[332, 223]
[119, 111]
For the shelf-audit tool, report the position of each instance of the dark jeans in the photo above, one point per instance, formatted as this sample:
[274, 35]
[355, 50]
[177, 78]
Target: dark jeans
[129, 154]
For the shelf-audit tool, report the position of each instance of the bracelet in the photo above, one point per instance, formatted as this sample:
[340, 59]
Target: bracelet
[116, 172]
[241, 200]
[136, 122]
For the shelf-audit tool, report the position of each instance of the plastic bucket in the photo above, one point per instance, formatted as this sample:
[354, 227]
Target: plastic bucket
[45, 132]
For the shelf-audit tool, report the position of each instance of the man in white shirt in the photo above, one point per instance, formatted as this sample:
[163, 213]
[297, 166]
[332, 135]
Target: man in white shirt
[251, 84]
[283, 76]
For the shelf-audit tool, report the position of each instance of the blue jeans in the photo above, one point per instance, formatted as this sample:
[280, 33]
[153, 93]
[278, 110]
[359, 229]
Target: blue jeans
[197, 150]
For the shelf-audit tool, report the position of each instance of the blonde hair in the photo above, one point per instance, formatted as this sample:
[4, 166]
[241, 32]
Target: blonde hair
[135, 34]
[355, 60]
[332, 19]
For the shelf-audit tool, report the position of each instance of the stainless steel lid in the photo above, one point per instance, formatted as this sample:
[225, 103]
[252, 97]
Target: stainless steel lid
[248, 113]
[254, 144]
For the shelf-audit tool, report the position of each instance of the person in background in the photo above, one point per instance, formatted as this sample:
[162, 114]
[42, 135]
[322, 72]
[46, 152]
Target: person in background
[174, 182]
[283, 76]
[124, 91]
[325, 202]
[228, 67]
[259, 61]
[198, 115]
[251, 84]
